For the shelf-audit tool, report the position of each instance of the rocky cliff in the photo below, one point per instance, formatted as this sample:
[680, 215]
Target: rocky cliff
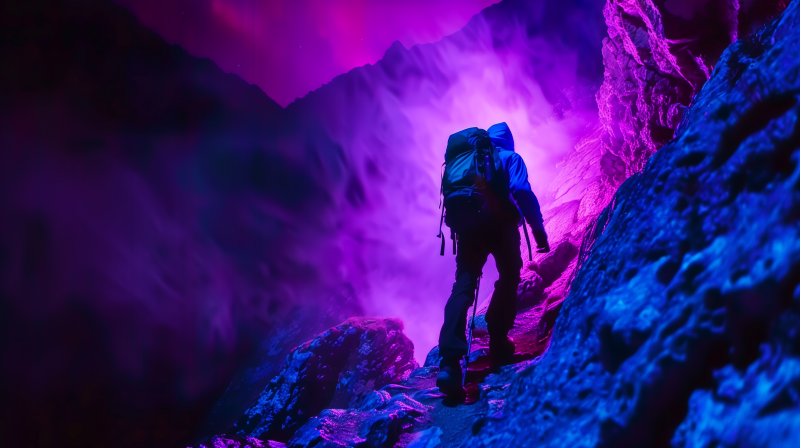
[657, 56]
[681, 327]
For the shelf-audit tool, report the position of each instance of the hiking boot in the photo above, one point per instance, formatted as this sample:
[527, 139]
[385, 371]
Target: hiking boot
[501, 352]
[449, 379]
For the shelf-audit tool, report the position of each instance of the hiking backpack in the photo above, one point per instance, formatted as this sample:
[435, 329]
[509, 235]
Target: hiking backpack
[474, 185]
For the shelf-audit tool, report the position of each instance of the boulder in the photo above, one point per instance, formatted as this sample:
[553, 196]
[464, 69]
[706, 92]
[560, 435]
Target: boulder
[339, 366]
[381, 426]
[228, 441]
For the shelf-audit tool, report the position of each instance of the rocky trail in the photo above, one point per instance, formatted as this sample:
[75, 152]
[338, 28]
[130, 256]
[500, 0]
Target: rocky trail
[411, 412]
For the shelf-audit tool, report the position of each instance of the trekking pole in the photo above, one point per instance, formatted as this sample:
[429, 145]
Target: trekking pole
[471, 328]
[527, 239]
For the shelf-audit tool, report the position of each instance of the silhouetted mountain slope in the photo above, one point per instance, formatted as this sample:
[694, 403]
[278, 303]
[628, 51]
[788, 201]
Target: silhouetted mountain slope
[101, 61]
[151, 236]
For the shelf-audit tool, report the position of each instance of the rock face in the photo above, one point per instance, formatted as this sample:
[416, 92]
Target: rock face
[658, 55]
[380, 421]
[336, 368]
[681, 327]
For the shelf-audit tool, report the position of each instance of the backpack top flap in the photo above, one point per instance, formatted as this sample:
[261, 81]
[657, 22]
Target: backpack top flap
[473, 163]
[461, 174]
[461, 160]
[458, 144]
[469, 139]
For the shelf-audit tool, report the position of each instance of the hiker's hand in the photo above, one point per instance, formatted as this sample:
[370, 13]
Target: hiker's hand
[541, 241]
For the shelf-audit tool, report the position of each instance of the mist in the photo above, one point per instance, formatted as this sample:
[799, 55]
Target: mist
[393, 120]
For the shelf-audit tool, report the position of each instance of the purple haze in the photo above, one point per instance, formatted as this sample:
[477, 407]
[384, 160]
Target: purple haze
[161, 216]
[394, 130]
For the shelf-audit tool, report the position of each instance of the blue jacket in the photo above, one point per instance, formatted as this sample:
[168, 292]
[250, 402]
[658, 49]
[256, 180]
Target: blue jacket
[517, 175]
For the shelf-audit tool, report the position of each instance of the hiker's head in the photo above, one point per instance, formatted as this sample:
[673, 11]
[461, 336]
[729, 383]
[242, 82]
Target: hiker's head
[501, 136]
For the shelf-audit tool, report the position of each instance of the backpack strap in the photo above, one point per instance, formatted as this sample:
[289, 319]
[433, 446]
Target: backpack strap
[441, 252]
[441, 185]
[441, 206]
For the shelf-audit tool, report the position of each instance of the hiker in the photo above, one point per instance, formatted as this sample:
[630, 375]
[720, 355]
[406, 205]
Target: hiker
[486, 195]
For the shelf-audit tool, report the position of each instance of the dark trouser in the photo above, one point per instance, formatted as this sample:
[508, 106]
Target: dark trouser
[503, 242]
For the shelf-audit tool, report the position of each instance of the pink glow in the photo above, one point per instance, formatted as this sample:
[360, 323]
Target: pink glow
[290, 47]
[386, 246]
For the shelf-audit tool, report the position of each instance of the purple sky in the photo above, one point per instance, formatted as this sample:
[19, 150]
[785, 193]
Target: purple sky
[290, 47]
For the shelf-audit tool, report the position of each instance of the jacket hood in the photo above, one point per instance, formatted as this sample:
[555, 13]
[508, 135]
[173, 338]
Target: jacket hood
[501, 136]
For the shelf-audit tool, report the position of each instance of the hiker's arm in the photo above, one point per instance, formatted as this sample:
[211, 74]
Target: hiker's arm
[526, 200]
[521, 191]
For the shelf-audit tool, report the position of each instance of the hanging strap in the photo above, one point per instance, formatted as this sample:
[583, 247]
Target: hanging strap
[441, 185]
[441, 235]
[441, 206]
[527, 239]
[441, 252]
